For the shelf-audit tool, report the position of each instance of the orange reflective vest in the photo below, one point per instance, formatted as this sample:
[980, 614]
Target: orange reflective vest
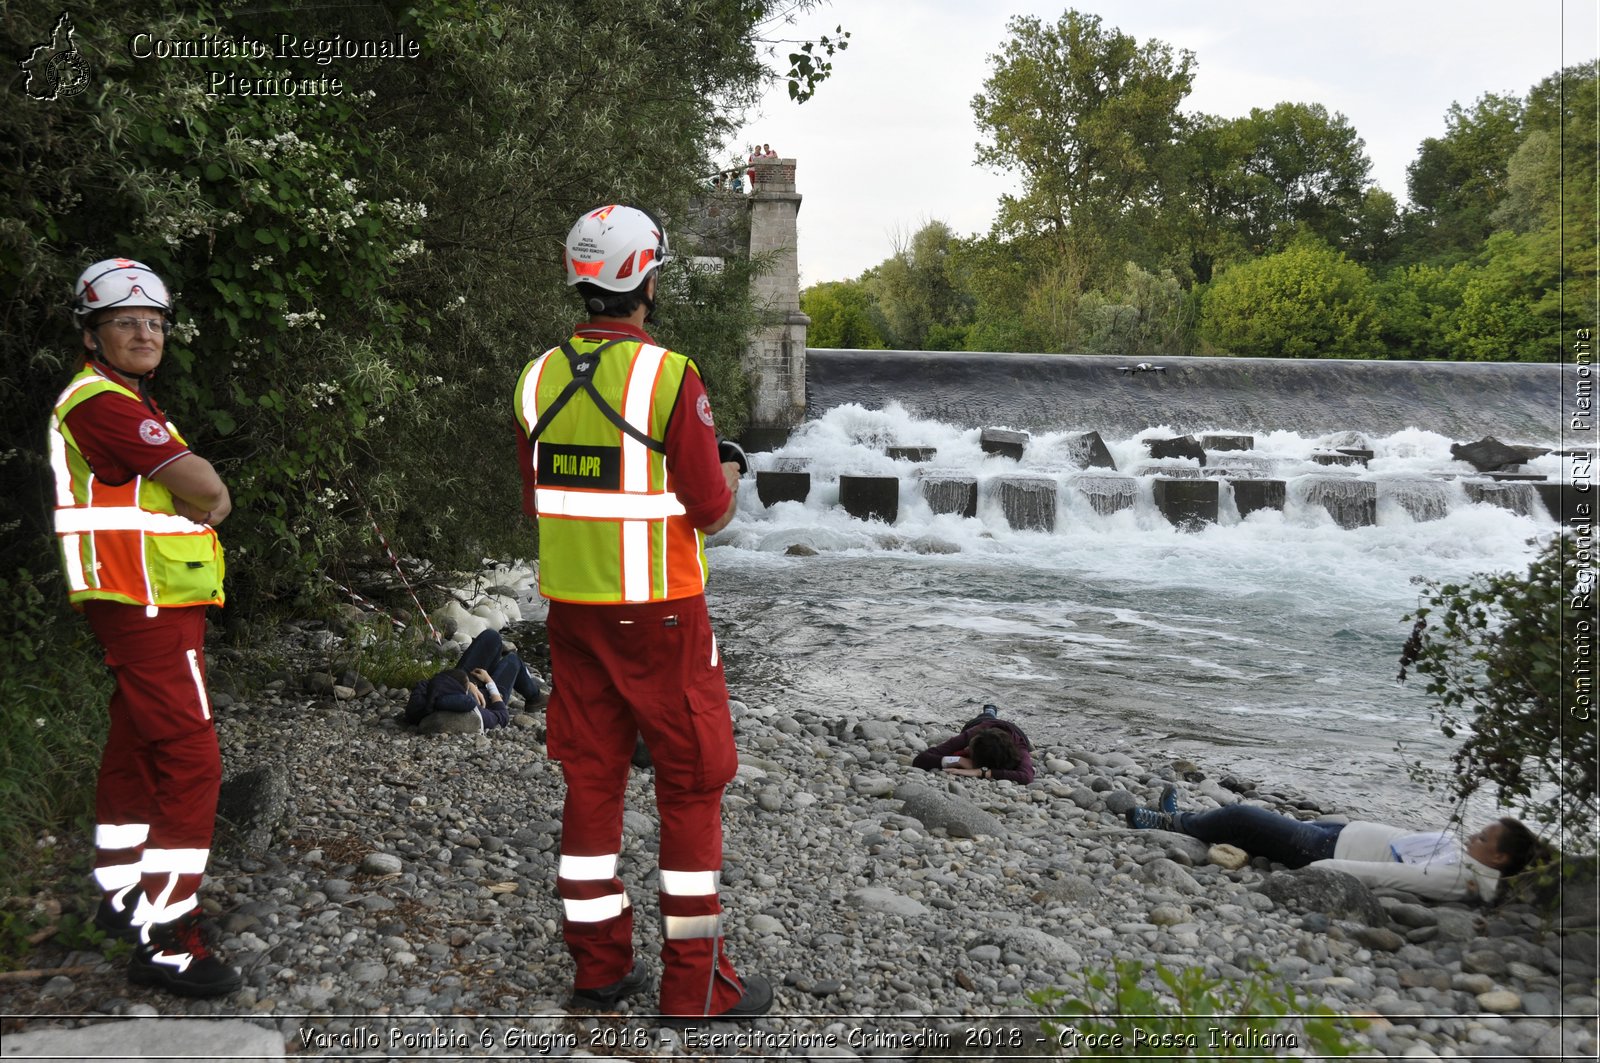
[611, 530]
[125, 543]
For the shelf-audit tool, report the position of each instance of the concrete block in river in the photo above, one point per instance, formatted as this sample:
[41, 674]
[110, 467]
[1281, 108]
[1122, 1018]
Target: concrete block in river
[1089, 451]
[1251, 495]
[1181, 447]
[1424, 500]
[951, 494]
[870, 497]
[1107, 494]
[1003, 441]
[1350, 456]
[1351, 503]
[1562, 502]
[1187, 503]
[1518, 497]
[1228, 442]
[1029, 504]
[910, 453]
[775, 487]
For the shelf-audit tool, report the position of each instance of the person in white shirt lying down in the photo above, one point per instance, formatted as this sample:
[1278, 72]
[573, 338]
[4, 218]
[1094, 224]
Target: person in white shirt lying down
[1433, 864]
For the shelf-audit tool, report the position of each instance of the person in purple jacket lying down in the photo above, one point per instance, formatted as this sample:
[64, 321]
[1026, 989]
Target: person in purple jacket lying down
[987, 748]
[1437, 865]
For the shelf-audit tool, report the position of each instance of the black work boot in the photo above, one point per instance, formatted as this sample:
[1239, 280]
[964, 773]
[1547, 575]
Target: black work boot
[177, 957]
[114, 917]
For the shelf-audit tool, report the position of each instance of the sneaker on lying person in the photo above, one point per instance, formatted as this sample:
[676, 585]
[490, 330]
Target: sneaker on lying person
[1142, 818]
[179, 958]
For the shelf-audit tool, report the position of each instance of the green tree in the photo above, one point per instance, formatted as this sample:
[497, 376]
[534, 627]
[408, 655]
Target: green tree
[1148, 314]
[1088, 117]
[1417, 309]
[1458, 180]
[1510, 301]
[1308, 301]
[842, 316]
[916, 291]
[1308, 173]
[1497, 653]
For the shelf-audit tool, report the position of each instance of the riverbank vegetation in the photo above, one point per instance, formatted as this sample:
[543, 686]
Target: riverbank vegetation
[1141, 228]
[364, 252]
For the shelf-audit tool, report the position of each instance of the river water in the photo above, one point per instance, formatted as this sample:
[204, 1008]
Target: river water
[1266, 646]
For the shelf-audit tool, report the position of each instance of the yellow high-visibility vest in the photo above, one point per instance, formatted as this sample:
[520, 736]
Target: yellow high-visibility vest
[611, 530]
[125, 542]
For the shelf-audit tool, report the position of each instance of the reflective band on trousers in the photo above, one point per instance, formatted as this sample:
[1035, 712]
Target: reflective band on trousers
[682, 927]
[587, 868]
[595, 910]
[175, 861]
[117, 876]
[689, 883]
[120, 835]
[554, 502]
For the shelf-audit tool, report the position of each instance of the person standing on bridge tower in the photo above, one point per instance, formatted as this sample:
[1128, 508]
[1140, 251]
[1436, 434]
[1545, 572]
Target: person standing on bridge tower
[623, 470]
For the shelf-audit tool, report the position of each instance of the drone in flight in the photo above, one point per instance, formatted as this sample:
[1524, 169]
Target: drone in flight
[1143, 367]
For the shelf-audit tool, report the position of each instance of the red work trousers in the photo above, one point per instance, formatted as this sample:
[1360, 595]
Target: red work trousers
[156, 799]
[619, 672]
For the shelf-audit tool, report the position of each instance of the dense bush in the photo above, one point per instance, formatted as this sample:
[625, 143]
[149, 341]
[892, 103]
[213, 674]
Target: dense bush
[1509, 662]
[1306, 301]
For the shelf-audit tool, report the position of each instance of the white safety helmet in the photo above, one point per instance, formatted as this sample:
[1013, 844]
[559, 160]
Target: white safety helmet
[615, 248]
[118, 282]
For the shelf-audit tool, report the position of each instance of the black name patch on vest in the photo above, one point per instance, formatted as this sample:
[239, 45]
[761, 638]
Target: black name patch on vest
[564, 465]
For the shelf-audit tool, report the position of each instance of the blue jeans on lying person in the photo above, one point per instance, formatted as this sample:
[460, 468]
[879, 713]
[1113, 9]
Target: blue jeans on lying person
[1260, 832]
[507, 671]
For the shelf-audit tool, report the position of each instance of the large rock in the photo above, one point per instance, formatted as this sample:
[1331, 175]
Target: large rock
[1487, 454]
[451, 723]
[1331, 893]
[1169, 875]
[254, 803]
[1039, 945]
[888, 901]
[959, 817]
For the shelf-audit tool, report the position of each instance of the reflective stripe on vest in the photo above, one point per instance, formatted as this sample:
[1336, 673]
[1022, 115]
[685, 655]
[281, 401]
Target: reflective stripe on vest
[631, 542]
[125, 542]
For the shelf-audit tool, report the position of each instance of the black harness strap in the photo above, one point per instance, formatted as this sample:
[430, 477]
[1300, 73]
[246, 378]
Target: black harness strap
[583, 367]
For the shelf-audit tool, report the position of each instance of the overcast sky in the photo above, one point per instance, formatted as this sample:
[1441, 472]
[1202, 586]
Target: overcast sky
[887, 143]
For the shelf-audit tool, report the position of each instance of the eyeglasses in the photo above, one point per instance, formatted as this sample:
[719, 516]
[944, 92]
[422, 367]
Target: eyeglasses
[135, 324]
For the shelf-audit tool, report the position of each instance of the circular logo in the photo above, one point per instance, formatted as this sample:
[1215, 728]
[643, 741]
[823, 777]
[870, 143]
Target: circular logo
[153, 432]
[68, 74]
[703, 408]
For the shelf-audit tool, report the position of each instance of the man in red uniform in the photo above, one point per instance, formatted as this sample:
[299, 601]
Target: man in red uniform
[622, 468]
[135, 513]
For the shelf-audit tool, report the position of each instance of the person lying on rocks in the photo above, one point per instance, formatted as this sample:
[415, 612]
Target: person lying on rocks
[1433, 864]
[987, 748]
[475, 684]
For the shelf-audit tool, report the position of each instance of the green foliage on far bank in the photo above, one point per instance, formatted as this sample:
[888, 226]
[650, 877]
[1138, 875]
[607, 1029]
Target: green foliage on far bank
[1508, 660]
[1139, 226]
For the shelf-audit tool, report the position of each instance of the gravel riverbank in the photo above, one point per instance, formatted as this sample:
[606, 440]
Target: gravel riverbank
[395, 897]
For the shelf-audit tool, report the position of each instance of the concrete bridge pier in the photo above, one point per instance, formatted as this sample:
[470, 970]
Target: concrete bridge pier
[775, 360]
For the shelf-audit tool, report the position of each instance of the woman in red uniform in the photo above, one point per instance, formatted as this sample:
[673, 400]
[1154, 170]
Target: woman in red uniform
[136, 512]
